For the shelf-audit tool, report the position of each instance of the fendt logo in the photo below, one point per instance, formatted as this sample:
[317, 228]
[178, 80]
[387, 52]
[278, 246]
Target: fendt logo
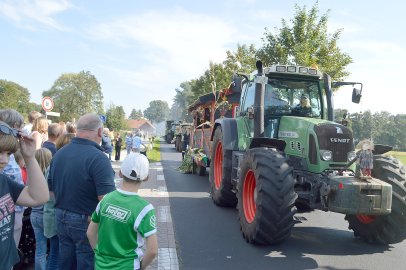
[338, 140]
[339, 130]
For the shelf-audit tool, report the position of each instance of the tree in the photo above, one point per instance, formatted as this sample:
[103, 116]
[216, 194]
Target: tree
[115, 118]
[181, 102]
[14, 96]
[157, 111]
[306, 43]
[76, 94]
[136, 114]
[242, 60]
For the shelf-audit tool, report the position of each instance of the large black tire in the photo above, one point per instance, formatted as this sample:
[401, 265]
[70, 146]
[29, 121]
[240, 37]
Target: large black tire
[266, 197]
[386, 229]
[220, 173]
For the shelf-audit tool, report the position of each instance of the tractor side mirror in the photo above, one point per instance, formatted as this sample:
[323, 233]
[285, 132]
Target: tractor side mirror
[356, 95]
[238, 81]
[236, 85]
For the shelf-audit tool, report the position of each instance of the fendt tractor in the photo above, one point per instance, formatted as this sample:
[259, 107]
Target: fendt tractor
[273, 159]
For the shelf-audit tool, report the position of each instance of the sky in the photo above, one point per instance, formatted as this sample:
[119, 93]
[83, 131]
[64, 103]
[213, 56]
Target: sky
[141, 51]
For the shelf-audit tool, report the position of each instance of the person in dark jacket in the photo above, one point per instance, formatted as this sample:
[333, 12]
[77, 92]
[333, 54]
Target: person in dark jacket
[106, 143]
[118, 143]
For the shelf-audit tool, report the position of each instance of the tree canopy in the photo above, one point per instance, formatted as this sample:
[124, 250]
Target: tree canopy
[13, 96]
[306, 42]
[115, 118]
[136, 114]
[75, 94]
[157, 111]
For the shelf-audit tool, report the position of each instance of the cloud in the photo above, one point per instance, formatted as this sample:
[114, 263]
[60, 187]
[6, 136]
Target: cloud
[25, 12]
[177, 36]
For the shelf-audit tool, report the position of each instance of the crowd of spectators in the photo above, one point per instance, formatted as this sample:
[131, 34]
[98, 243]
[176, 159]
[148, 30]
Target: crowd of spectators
[63, 172]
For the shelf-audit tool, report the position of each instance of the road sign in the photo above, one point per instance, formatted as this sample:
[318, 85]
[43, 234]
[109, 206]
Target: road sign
[57, 114]
[47, 104]
[103, 118]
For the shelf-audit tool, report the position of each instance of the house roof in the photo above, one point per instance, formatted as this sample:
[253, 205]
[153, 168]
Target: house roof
[134, 124]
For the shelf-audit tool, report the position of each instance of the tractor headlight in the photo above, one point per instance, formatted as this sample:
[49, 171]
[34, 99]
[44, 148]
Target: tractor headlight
[326, 154]
[351, 156]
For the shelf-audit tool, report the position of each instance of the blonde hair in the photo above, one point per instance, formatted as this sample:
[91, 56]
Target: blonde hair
[8, 143]
[63, 140]
[40, 124]
[33, 115]
[43, 157]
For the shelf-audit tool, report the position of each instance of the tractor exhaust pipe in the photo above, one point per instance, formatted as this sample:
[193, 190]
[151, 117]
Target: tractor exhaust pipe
[259, 102]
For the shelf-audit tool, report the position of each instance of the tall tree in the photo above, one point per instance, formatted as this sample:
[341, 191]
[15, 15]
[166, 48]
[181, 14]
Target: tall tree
[306, 42]
[14, 96]
[136, 114]
[157, 111]
[242, 60]
[115, 118]
[181, 102]
[75, 94]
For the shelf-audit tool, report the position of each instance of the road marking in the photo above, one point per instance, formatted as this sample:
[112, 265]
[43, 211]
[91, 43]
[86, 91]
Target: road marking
[168, 259]
[160, 177]
[164, 214]
[162, 190]
[155, 193]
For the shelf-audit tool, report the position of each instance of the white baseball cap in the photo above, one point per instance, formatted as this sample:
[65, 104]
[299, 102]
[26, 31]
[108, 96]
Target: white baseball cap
[135, 167]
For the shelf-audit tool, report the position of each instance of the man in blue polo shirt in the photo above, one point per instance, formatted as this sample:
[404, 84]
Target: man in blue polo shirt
[80, 175]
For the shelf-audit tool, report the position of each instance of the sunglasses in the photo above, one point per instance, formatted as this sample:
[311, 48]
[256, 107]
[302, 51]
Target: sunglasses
[9, 131]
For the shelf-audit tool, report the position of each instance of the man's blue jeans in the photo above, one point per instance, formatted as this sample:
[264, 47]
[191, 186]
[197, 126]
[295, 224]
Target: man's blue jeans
[75, 249]
[41, 245]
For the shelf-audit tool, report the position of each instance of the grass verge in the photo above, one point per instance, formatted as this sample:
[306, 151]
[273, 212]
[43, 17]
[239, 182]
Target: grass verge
[154, 155]
[399, 155]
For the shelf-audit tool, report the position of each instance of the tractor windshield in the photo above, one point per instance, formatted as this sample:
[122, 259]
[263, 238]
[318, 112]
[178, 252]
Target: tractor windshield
[292, 97]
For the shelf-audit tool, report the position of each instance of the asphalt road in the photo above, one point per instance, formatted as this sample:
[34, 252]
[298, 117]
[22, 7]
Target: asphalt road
[209, 237]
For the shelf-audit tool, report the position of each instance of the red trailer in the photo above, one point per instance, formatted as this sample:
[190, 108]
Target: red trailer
[205, 110]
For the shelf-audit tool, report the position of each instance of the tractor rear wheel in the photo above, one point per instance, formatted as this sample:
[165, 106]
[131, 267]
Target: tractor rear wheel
[220, 173]
[385, 229]
[266, 197]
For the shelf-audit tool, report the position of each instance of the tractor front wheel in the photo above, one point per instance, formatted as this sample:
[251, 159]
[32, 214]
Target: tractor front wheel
[385, 229]
[266, 197]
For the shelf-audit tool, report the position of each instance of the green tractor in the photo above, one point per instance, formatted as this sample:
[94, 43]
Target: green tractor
[278, 156]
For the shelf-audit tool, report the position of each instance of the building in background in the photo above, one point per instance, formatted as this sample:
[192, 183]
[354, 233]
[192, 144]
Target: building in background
[143, 126]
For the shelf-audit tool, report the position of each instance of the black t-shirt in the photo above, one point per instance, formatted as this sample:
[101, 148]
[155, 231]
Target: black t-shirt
[118, 142]
[9, 192]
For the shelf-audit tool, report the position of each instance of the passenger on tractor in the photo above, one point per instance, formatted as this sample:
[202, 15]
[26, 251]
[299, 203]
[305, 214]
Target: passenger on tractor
[303, 108]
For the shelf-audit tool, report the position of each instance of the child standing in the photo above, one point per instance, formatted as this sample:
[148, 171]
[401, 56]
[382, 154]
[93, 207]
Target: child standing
[12, 193]
[123, 222]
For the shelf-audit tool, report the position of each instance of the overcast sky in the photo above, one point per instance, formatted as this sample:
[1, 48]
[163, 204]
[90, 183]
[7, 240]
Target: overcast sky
[142, 50]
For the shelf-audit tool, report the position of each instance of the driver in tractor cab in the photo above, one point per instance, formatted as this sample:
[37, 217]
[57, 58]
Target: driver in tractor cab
[303, 108]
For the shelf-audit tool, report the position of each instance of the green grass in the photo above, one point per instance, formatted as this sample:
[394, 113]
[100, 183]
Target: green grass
[154, 155]
[399, 155]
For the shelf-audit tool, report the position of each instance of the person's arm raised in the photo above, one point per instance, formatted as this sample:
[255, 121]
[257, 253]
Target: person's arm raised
[36, 193]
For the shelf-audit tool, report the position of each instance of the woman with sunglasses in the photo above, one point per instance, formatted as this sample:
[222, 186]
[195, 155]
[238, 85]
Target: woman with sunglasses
[12, 193]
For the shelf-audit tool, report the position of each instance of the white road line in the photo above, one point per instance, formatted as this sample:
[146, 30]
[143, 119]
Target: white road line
[160, 177]
[168, 259]
[163, 191]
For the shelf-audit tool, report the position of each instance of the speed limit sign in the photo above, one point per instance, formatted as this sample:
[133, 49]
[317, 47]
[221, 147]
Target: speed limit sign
[47, 104]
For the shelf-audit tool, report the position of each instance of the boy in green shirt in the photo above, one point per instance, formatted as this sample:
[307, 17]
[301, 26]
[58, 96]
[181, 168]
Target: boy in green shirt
[123, 222]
